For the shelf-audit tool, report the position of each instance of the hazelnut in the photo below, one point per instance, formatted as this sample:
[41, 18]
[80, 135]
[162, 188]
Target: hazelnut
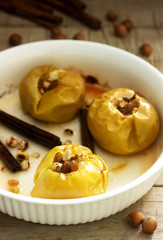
[135, 218]
[35, 155]
[58, 157]
[56, 167]
[67, 142]
[67, 155]
[54, 31]
[68, 131]
[74, 166]
[146, 49]
[60, 36]
[149, 225]
[12, 141]
[128, 24]
[13, 182]
[112, 16]
[14, 189]
[120, 30]
[15, 39]
[91, 79]
[66, 167]
[79, 36]
[4, 169]
[23, 144]
[21, 156]
[25, 164]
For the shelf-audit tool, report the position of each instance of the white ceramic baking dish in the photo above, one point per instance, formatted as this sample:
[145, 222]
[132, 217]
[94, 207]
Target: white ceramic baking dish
[116, 67]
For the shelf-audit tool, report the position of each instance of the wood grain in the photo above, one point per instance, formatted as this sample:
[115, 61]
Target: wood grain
[147, 16]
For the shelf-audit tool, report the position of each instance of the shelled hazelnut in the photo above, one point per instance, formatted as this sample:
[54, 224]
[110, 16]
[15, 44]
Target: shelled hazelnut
[67, 142]
[146, 49]
[149, 225]
[60, 36]
[35, 155]
[135, 218]
[120, 30]
[25, 164]
[12, 141]
[13, 182]
[21, 156]
[55, 31]
[68, 131]
[128, 24]
[112, 16]
[15, 39]
[23, 144]
[79, 36]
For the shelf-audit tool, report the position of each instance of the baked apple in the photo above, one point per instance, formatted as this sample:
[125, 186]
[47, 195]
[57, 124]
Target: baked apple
[70, 171]
[52, 95]
[123, 122]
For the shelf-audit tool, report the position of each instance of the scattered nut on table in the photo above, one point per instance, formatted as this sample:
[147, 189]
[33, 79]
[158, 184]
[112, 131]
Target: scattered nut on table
[112, 16]
[120, 30]
[79, 36]
[146, 49]
[149, 225]
[15, 39]
[135, 218]
[128, 24]
[55, 31]
[60, 36]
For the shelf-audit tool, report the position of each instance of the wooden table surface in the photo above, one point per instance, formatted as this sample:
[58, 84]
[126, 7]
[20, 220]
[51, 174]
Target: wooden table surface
[147, 16]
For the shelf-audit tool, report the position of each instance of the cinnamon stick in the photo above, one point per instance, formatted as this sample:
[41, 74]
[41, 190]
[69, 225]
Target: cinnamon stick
[77, 14]
[34, 133]
[86, 136]
[30, 12]
[75, 3]
[39, 5]
[8, 159]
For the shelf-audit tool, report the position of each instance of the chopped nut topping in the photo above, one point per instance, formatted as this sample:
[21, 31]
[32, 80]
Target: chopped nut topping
[65, 165]
[35, 155]
[67, 142]
[56, 166]
[13, 182]
[126, 105]
[12, 141]
[67, 155]
[4, 169]
[21, 156]
[74, 166]
[88, 102]
[74, 157]
[68, 131]
[48, 82]
[14, 189]
[23, 144]
[58, 157]
[25, 164]
[91, 79]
